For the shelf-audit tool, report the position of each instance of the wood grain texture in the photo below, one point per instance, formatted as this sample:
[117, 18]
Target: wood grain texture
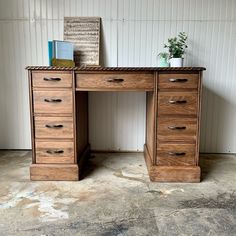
[54, 172]
[178, 81]
[150, 123]
[74, 116]
[44, 127]
[32, 130]
[199, 116]
[40, 106]
[151, 120]
[81, 99]
[52, 79]
[42, 149]
[166, 108]
[166, 157]
[187, 174]
[176, 129]
[116, 81]
[148, 160]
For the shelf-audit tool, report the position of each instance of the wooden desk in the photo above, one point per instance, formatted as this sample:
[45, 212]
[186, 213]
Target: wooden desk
[59, 118]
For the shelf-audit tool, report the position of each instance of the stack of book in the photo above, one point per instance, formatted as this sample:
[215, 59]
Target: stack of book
[61, 53]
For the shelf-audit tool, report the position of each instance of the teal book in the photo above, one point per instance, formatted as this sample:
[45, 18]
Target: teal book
[63, 50]
[50, 53]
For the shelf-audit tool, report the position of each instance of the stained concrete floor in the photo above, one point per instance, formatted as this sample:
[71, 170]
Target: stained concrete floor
[117, 198]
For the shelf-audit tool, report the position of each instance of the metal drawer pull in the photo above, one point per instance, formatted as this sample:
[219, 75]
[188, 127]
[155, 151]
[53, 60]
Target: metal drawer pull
[52, 79]
[54, 126]
[52, 100]
[55, 151]
[177, 153]
[173, 80]
[115, 80]
[177, 101]
[176, 127]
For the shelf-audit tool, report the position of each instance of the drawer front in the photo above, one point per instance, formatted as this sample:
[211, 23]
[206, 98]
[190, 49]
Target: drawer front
[177, 103]
[54, 152]
[176, 129]
[128, 81]
[51, 80]
[176, 154]
[178, 81]
[54, 127]
[52, 101]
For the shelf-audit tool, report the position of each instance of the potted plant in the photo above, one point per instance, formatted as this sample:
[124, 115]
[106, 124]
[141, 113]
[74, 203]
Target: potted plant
[176, 47]
[163, 59]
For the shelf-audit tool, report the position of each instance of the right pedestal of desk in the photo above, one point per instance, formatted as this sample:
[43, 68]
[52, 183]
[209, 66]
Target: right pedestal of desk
[173, 127]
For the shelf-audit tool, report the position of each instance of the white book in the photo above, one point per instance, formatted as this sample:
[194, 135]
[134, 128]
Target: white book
[63, 50]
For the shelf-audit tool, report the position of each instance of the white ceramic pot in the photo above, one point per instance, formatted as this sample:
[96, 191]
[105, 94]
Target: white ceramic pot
[176, 62]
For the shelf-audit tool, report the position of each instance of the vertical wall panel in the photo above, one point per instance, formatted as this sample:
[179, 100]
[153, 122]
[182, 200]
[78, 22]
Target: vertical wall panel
[133, 33]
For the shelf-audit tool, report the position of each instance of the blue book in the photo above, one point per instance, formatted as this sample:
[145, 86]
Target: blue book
[63, 50]
[50, 53]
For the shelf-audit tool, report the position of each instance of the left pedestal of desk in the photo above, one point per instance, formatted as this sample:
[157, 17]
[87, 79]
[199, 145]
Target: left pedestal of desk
[53, 125]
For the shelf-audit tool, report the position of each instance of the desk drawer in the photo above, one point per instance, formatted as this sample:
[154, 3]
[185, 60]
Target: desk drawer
[177, 103]
[122, 81]
[54, 152]
[54, 127]
[176, 129]
[176, 154]
[52, 102]
[51, 80]
[178, 81]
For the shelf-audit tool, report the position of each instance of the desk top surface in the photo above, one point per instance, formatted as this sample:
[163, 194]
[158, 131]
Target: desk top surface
[97, 68]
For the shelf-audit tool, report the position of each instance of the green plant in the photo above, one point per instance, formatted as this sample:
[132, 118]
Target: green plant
[164, 55]
[177, 45]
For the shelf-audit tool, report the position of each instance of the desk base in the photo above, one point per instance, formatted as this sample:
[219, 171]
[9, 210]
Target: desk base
[188, 174]
[54, 172]
[71, 172]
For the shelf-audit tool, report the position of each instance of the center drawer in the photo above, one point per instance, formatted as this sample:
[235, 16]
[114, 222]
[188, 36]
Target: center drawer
[54, 127]
[177, 103]
[123, 81]
[176, 154]
[52, 102]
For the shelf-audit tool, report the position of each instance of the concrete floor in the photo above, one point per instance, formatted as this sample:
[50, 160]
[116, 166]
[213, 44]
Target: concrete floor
[117, 198]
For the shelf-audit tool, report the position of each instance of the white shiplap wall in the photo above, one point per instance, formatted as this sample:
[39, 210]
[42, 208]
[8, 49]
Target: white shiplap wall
[133, 33]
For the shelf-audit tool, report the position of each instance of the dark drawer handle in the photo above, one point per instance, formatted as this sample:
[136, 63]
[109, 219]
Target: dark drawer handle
[173, 80]
[52, 79]
[176, 127]
[55, 151]
[55, 100]
[177, 101]
[115, 80]
[54, 126]
[177, 153]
